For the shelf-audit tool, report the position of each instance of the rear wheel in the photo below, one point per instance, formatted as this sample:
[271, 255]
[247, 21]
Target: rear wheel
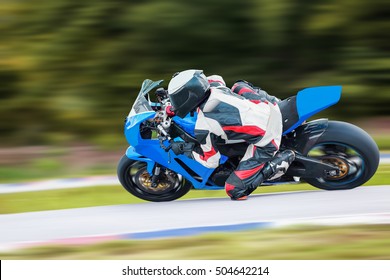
[349, 148]
[135, 178]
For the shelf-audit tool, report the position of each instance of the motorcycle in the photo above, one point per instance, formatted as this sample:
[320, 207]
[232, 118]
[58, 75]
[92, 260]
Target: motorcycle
[330, 155]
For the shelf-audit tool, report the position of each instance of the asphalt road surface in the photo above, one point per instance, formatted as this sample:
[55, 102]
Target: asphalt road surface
[174, 216]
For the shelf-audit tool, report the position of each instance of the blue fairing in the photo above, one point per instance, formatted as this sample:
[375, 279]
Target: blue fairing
[132, 127]
[312, 100]
[149, 151]
[187, 123]
[132, 154]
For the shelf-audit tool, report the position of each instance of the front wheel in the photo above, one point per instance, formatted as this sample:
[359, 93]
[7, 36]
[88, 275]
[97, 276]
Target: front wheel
[135, 178]
[349, 148]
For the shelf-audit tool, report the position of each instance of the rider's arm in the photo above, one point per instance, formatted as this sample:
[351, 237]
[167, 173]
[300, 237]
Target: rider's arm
[248, 91]
[270, 98]
[206, 133]
[216, 81]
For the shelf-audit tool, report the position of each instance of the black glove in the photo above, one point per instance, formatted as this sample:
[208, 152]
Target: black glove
[180, 148]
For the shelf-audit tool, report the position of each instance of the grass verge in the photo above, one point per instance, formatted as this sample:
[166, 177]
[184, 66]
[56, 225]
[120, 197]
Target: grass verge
[298, 242]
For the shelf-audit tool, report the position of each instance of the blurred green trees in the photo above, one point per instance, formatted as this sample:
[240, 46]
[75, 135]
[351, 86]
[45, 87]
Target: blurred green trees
[69, 70]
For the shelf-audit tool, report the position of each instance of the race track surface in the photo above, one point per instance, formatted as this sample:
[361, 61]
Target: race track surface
[142, 220]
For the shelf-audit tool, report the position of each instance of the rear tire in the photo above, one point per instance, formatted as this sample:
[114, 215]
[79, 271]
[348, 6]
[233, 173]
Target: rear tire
[136, 180]
[352, 150]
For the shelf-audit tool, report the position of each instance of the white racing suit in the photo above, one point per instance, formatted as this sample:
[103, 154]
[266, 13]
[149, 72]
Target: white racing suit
[244, 113]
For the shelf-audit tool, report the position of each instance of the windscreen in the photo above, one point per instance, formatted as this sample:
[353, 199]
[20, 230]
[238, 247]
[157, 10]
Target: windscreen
[142, 102]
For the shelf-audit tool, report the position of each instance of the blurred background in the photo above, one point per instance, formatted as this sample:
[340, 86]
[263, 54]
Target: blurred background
[70, 70]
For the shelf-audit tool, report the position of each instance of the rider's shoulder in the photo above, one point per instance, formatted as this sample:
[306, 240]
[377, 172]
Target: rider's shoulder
[225, 91]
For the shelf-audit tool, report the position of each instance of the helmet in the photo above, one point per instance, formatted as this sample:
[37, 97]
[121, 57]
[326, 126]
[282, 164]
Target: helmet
[187, 90]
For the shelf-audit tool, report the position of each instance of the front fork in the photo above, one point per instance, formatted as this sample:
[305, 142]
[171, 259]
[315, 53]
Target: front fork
[156, 175]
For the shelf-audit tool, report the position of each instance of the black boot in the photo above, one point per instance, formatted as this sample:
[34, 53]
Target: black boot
[278, 165]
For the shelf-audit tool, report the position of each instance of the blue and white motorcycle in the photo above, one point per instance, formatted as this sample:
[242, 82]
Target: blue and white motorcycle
[330, 155]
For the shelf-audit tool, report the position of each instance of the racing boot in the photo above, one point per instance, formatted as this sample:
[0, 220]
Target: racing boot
[273, 169]
[277, 166]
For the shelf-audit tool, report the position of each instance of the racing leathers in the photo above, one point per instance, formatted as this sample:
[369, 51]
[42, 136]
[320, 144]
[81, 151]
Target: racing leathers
[247, 114]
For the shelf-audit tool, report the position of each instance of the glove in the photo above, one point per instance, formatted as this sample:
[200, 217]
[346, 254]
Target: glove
[180, 148]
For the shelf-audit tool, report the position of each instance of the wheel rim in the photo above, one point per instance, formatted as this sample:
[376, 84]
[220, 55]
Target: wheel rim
[341, 163]
[349, 161]
[139, 177]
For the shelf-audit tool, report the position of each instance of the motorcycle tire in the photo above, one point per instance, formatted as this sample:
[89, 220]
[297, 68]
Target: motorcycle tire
[352, 150]
[136, 180]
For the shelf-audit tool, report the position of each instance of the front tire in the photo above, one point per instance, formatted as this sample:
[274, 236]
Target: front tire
[135, 178]
[352, 150]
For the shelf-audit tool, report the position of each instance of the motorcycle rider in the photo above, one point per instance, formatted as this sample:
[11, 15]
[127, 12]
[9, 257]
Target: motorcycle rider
[242, 113]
